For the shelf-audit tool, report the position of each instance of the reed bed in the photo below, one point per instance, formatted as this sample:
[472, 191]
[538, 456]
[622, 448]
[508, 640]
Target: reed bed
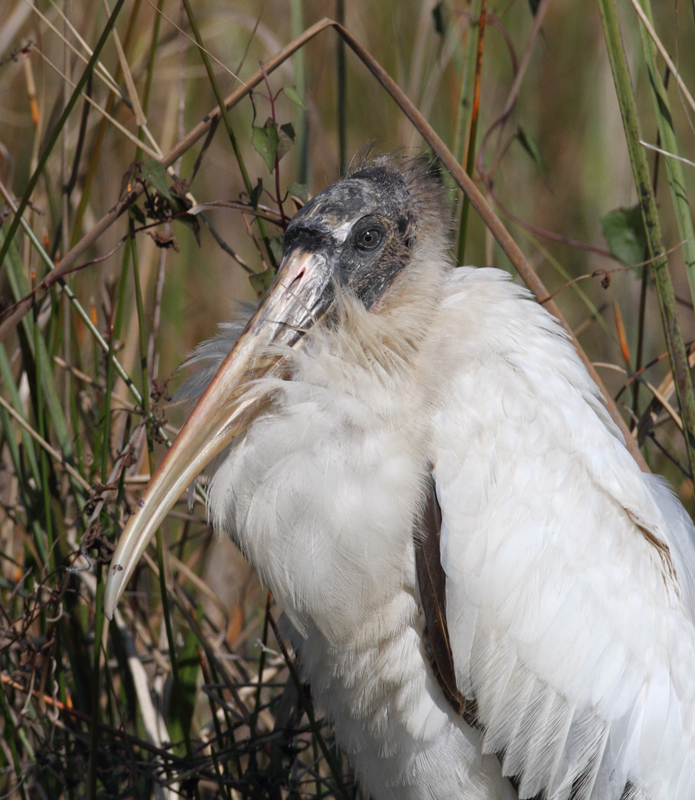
[140, 201]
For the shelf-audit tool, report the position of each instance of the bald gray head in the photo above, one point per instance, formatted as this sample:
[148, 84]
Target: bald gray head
[367, 226]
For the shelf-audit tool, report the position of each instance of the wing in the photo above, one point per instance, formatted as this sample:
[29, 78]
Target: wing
[210, 354]
[570, 623]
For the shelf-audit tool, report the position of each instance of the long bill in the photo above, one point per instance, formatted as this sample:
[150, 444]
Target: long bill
[300, 295]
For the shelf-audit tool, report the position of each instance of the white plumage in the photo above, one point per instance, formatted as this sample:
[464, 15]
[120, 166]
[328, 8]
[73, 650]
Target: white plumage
[569, 573]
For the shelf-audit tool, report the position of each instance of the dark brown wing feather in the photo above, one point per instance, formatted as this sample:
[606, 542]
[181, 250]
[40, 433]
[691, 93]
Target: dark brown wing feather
[432, 582]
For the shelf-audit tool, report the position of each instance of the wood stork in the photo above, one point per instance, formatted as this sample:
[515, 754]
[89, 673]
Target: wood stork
[488, 597]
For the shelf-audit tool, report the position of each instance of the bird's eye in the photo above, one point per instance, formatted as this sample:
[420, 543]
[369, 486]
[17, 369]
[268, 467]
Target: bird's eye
[368, 239]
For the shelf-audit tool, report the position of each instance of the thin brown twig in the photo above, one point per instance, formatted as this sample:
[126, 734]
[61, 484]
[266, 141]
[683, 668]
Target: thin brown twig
[660, 397]
[225, 246]
[513, 95]
[267, 213]
[74, 712]
[494, 21]
[52, 277]
[597, 273]
[546, 234]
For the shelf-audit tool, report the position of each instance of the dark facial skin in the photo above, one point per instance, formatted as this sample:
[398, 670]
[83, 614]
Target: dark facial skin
[362, 224]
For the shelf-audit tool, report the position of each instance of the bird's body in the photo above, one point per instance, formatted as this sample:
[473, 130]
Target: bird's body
[321, 494]
[569, 589]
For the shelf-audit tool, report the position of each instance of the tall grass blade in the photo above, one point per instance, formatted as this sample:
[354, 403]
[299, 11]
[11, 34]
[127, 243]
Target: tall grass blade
[224, 112]
[662, 277]
[303, 168]
[9, 236]
[473, 129]
[341, 94]
[674, 167]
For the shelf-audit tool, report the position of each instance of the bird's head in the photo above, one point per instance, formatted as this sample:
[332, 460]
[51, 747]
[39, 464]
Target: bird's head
[366, 237]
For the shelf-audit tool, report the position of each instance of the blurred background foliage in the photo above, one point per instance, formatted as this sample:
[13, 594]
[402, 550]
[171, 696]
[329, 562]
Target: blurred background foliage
[194, 695]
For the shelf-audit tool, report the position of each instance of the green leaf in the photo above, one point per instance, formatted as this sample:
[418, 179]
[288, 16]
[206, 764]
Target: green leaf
[137, 214]
[261, 281]
[277, 245]
[529, 145]
[300, 190]
[286, 139]
[156, 174]
[441, 17]
[11, 387]
[293, 95]
[256, 193]
[624, 231]
[43, 362]
[265, 140]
